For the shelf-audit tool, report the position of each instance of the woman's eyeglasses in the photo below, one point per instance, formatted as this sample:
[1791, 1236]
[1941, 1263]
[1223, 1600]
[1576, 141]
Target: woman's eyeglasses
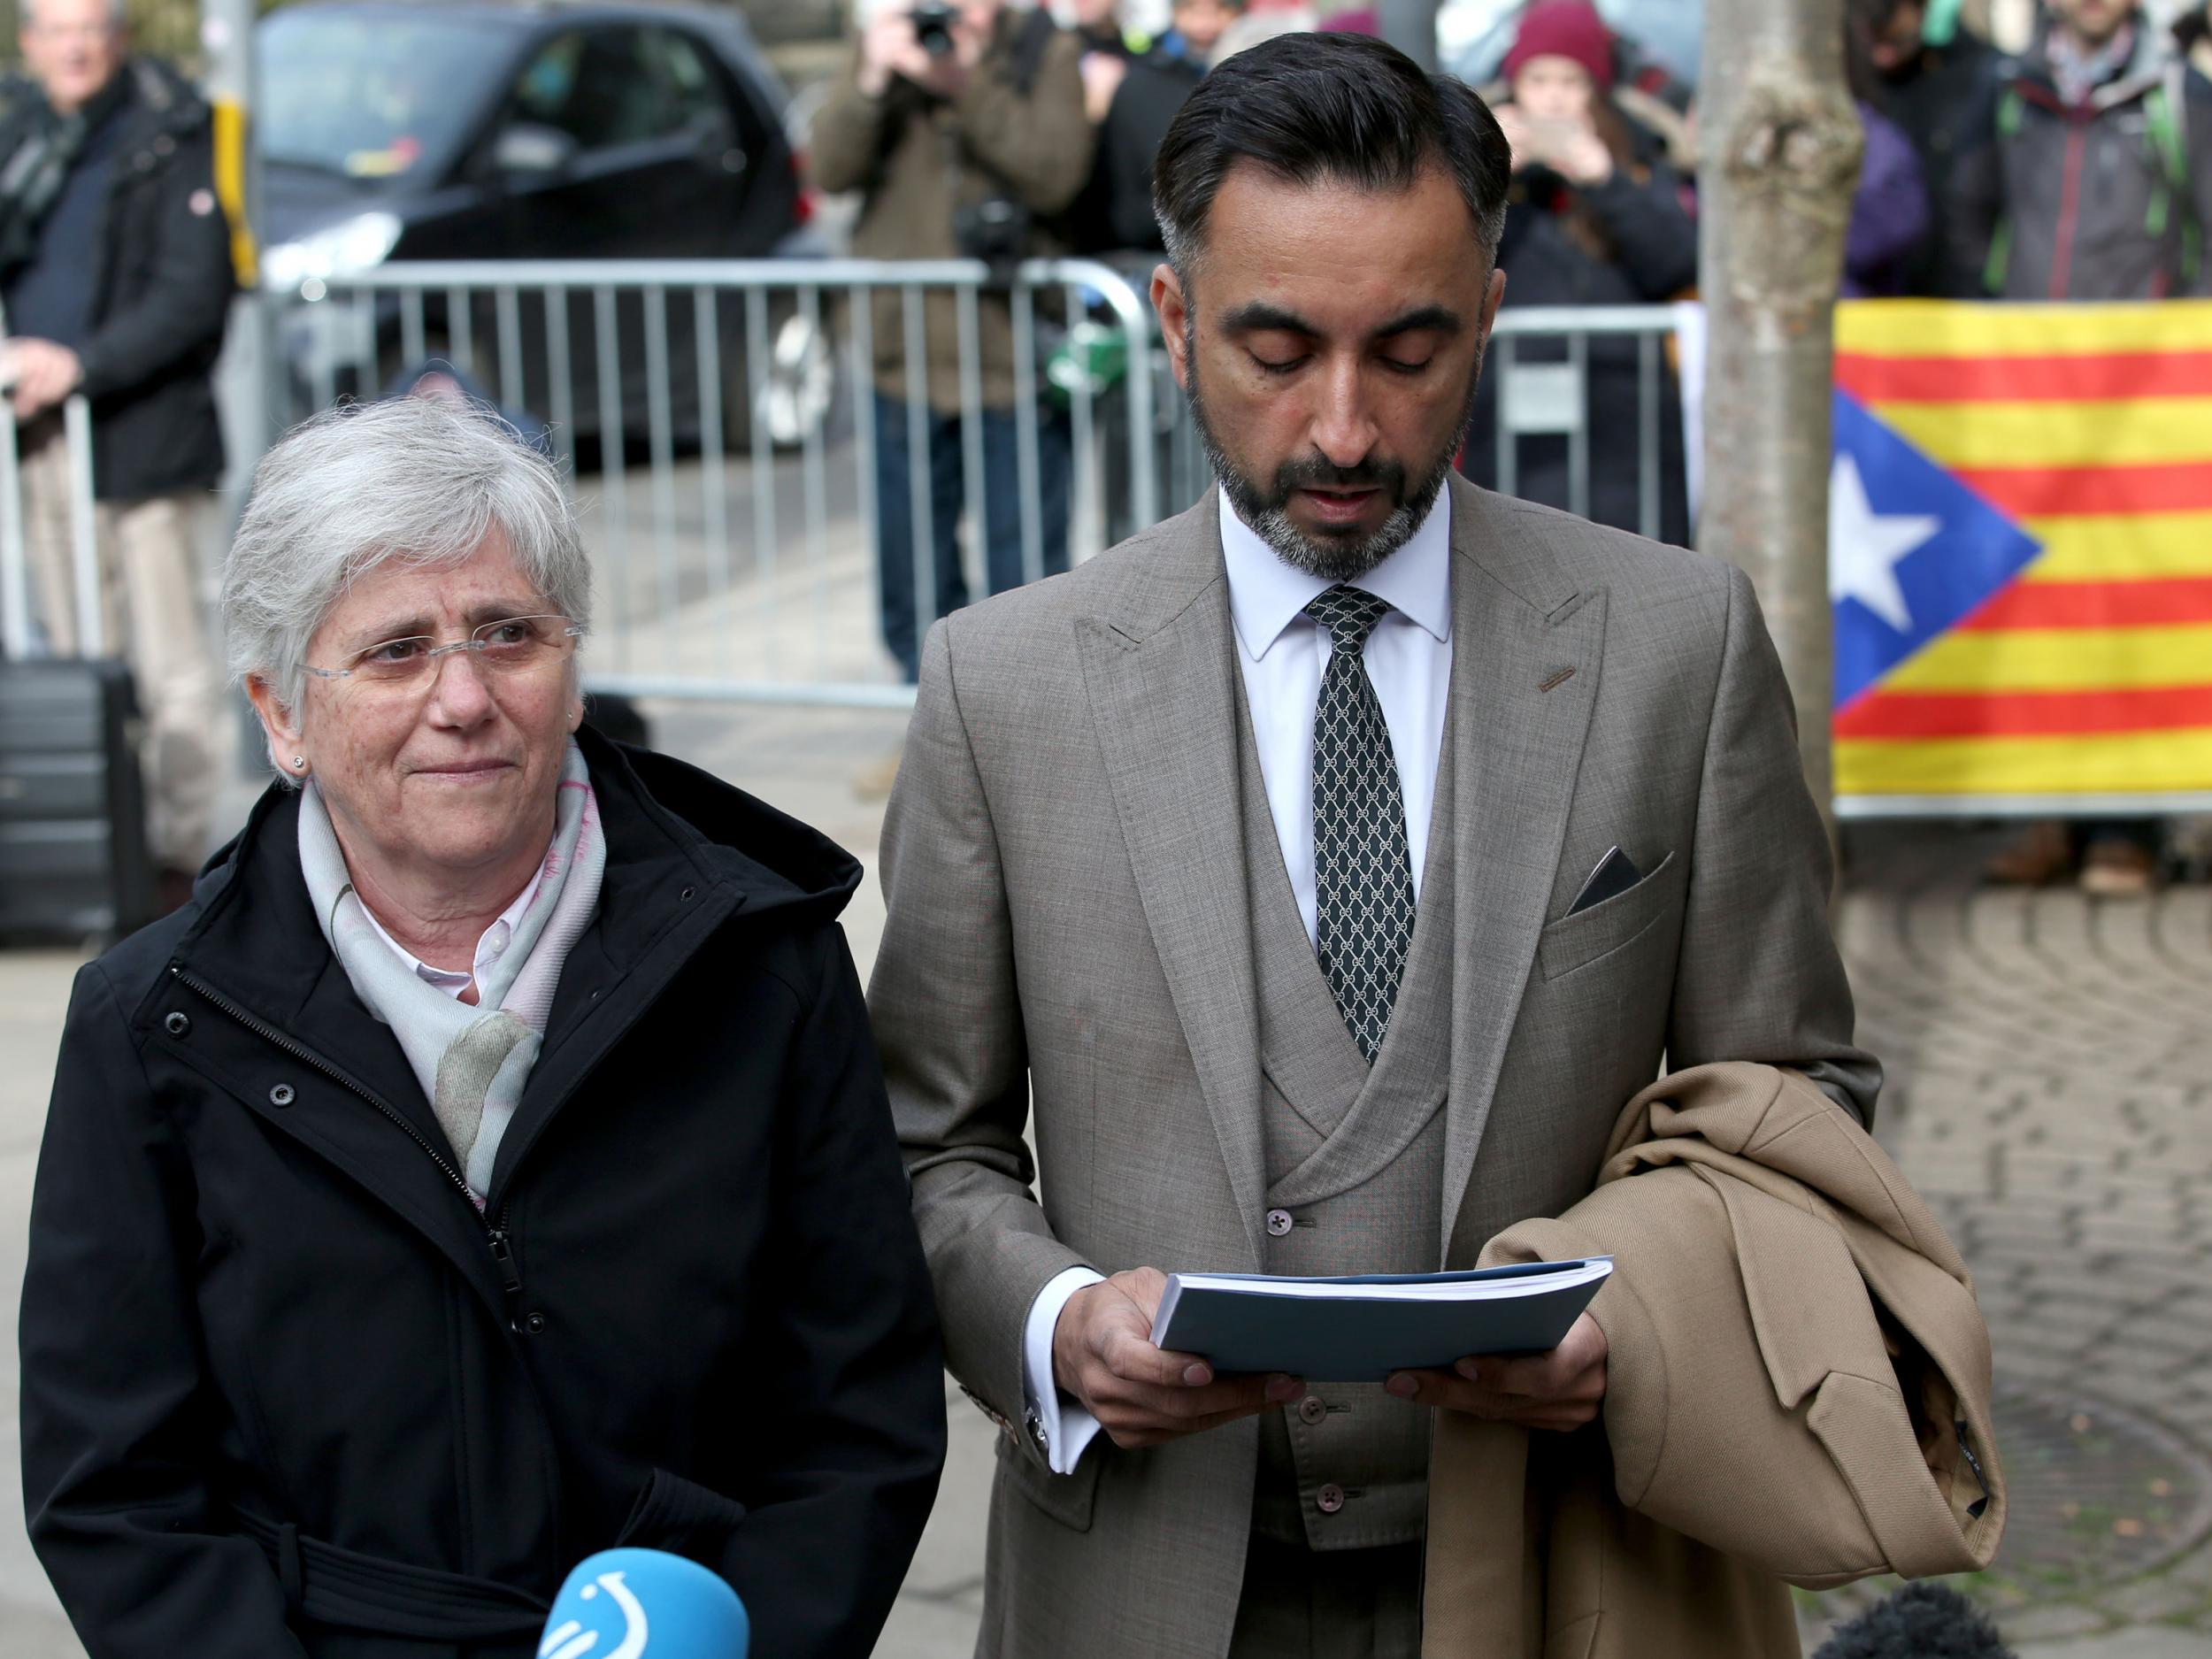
[515, 645]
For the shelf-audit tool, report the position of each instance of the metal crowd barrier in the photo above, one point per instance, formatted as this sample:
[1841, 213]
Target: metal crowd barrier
[738, 563]
[19, 633]
[1552, 399]
[720, 423]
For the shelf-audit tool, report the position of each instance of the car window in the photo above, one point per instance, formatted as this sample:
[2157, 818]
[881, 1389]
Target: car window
[601, 86]
[691, 90]
[374, 99]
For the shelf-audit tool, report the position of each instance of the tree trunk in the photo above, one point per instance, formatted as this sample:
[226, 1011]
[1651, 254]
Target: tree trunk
[1780, 144]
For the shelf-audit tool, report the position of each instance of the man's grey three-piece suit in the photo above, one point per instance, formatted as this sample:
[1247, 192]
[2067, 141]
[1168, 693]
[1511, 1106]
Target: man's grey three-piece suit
[1089, 916]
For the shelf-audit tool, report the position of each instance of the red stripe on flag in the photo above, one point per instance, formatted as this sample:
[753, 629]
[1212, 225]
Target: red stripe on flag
[2103, 377]
[2045, 491]
[2162, 601]
[1939, 714]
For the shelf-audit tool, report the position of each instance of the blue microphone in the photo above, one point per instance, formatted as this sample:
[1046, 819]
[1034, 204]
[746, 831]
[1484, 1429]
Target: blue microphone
[644, 1604]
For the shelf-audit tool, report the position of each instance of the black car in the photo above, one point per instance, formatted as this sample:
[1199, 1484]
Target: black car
[528, 130]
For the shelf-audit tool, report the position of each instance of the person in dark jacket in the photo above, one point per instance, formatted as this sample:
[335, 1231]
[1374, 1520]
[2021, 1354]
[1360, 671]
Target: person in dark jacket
[1889, 211]
[115, 276]
[490, 1165]
[1941, 93]
[2192, 36]
[975, 149]
[1142, 90]
[1596, 217]
[2099, 185]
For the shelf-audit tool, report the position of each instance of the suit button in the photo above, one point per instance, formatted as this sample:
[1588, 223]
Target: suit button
[1312, 1409]
[1330, 1498]
[533, 1322]
[1278, 1222]
[177, 1025]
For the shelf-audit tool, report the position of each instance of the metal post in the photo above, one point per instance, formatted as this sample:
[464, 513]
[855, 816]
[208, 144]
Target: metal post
[763, 476]
[15, 580]
[714, 464]
[250, 359]
[84, 535]
[1410, 26]
[1028, 411]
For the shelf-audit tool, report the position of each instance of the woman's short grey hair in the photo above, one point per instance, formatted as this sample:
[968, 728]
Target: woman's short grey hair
[419, 480]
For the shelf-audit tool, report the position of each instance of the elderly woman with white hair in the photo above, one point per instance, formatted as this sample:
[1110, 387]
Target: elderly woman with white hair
[490, 1165]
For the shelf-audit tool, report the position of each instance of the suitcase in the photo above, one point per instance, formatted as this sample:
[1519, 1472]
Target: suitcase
[74, 859]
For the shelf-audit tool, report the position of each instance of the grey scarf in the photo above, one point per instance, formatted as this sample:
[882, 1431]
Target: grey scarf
[32, 178]
[471, 1062]
[2078, 70]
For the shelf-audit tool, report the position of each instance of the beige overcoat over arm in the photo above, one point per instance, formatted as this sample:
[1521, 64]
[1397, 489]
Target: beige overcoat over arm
[1799, 1391]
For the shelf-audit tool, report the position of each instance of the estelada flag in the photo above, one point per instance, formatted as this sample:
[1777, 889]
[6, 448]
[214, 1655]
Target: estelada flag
[2020, 550]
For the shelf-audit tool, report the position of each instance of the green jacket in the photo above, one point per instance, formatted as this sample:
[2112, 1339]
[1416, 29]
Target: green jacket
[916, 159]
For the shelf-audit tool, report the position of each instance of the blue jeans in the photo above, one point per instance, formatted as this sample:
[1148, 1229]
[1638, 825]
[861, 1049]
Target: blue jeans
[1003, 563]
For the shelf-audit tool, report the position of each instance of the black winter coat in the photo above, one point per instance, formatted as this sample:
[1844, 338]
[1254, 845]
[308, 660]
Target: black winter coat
[1114, 213]
[161, 291]
[1655, 242]
[285, 1391]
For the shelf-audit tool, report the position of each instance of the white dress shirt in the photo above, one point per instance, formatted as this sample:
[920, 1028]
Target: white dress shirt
[1282, 652]
[490, 948]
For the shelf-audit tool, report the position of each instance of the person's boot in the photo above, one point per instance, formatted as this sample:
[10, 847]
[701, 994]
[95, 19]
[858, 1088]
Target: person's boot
[2118, 867]
[2042, 856]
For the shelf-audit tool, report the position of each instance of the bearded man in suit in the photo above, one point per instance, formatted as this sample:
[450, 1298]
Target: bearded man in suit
[1249, 854]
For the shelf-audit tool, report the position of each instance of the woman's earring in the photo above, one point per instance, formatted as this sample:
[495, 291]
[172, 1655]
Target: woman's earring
[299, 763]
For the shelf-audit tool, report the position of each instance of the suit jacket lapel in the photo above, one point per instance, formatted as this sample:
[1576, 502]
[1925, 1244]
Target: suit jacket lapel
[1525, 652]
[1160, 667]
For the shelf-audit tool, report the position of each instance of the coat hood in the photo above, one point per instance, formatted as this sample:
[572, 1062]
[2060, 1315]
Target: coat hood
[172, 104]
[777, 862]
[674, 834]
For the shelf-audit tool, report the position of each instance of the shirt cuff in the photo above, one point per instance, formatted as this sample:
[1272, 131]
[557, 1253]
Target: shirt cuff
[1061, 1431]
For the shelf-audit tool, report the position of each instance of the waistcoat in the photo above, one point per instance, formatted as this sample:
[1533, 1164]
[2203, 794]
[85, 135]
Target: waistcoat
[1354, 1160]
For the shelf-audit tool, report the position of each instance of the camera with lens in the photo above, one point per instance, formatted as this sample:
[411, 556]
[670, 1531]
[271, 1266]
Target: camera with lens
[932, 26]
[995, 230]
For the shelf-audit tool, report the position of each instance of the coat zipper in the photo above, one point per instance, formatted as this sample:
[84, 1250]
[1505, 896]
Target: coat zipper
[2069, 209]
[496, 1232]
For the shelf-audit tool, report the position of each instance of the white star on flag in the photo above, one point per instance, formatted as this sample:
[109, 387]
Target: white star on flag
[1864, 547]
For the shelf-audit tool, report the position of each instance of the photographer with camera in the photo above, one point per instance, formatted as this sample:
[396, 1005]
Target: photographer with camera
[964, 127]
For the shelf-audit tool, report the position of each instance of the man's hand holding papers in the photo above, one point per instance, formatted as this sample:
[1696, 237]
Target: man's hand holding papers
[1562, 1390]
[1103, 1355]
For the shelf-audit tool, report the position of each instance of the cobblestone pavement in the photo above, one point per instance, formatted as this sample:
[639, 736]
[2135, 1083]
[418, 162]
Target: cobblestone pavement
[2051, 1091]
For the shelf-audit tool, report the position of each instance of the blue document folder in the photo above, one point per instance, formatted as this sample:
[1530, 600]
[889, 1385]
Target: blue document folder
[1362, 1329]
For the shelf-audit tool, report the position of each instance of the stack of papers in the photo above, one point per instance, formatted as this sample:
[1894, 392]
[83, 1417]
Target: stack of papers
[1362, 1330]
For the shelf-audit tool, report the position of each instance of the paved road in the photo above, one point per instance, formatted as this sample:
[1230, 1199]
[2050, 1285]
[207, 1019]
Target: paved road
[2051, 1092]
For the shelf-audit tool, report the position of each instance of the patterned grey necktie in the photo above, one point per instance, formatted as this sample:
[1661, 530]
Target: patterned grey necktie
[1362, 876]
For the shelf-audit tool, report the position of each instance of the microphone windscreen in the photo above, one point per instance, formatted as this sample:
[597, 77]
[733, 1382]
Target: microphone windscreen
[644, 1604]
[1921, 1621]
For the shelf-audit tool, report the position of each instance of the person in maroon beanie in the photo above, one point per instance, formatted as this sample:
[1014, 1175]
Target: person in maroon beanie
[1597, 216]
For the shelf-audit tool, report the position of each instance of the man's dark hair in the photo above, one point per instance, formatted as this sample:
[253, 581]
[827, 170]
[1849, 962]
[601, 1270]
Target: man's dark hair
[1342, 107]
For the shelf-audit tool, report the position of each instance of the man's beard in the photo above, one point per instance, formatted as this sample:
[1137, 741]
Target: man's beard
[1333, 558]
